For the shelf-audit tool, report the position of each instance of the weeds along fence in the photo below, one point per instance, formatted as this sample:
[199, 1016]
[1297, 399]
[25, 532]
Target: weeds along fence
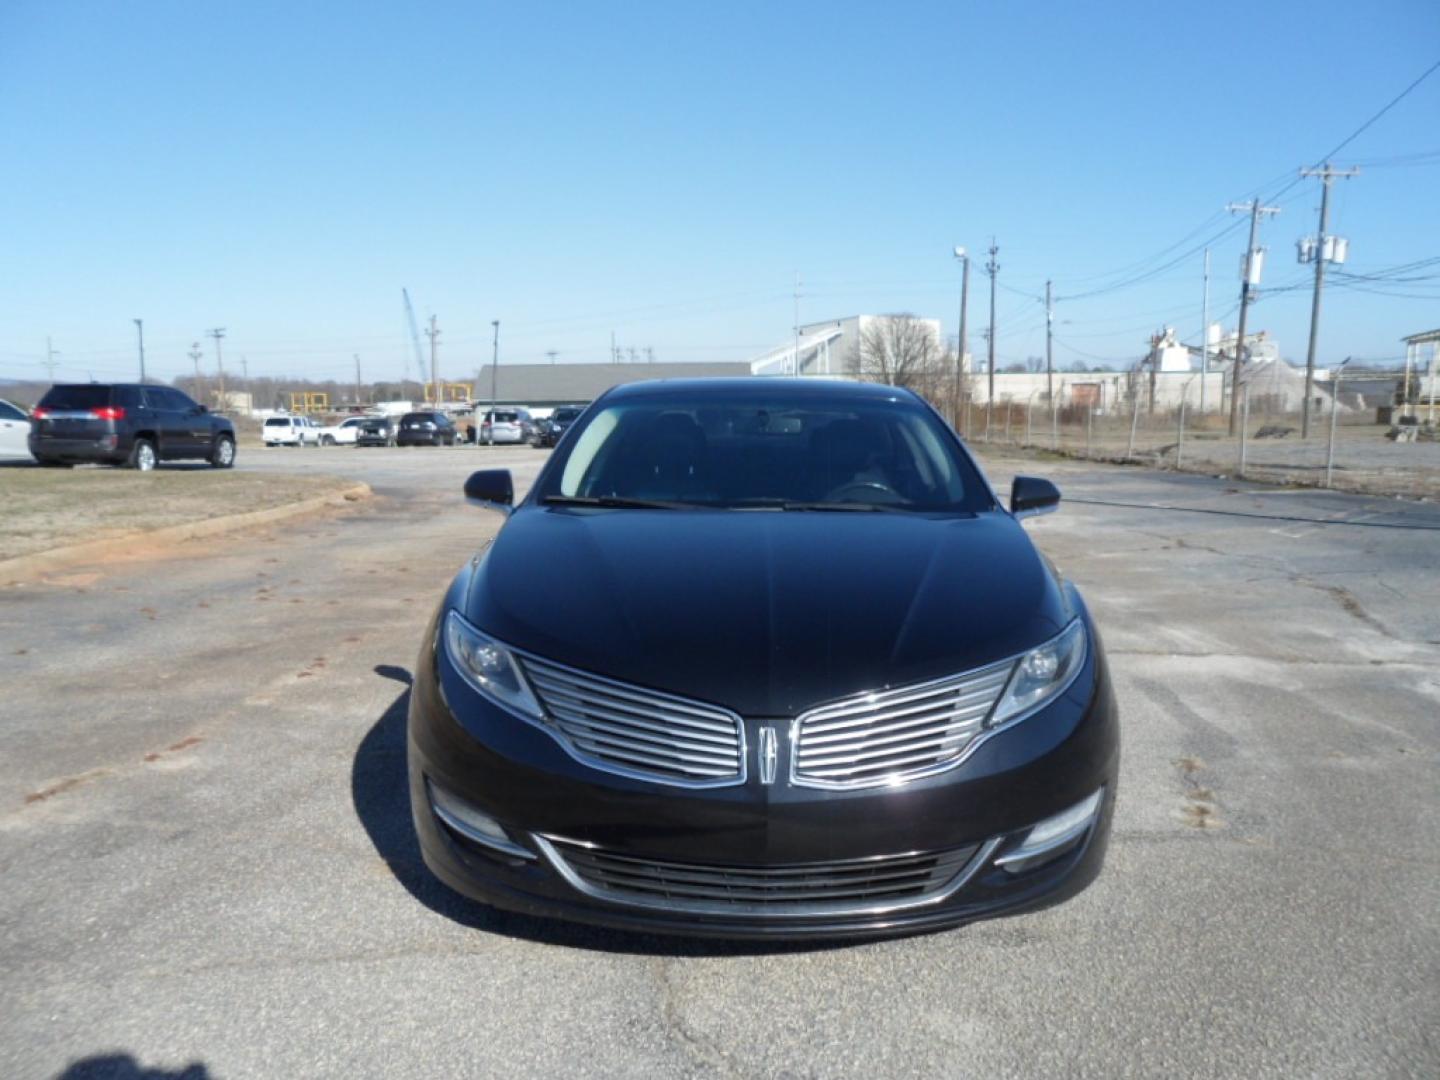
[1347, 449]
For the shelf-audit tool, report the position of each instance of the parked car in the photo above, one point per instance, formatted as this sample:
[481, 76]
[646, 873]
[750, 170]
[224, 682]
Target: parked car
[375, 431]
[762, 658]
[342, 434]
[548, 431]
[506, 426]
[126, 424]
[290, 431]
[426, 429]
[14, 431]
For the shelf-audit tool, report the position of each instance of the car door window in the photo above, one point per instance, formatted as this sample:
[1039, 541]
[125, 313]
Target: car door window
[9, 412]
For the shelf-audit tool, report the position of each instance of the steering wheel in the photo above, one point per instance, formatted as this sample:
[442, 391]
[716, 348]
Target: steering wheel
[839, 493]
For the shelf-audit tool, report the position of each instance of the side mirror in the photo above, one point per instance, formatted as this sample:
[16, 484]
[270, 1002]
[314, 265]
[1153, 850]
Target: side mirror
[492, 489]
[200, 410]
[1031, 496]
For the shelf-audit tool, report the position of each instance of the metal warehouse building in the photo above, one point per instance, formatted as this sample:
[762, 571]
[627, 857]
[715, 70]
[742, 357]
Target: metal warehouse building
[548, 385]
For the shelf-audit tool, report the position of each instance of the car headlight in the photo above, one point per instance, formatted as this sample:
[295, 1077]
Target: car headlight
[1042, 674]
[489, 667]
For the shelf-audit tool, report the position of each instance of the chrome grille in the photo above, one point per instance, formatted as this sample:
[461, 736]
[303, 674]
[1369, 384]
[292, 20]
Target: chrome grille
[895, 735]
[638, 732]
[853, 885]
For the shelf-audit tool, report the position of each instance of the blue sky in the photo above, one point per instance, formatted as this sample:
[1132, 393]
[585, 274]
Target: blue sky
[664, 170]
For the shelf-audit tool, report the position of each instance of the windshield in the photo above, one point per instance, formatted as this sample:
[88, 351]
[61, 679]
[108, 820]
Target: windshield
[278, 421]
[564, 416]
[757, 449]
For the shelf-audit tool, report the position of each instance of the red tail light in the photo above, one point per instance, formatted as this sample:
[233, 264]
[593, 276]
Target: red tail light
[109, 412]
[40, 414]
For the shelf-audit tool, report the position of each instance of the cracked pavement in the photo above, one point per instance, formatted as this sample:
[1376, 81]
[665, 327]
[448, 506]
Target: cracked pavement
[207, 857]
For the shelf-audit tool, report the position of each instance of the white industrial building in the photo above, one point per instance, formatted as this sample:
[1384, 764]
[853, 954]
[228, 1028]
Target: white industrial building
[1170, 374]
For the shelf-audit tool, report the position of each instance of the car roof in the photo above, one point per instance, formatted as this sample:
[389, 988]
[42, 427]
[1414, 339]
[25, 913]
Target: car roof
[148, 386]
[780, 388]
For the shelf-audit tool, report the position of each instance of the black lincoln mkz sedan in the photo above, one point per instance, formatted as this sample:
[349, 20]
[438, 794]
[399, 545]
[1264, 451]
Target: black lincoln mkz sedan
[762, 658]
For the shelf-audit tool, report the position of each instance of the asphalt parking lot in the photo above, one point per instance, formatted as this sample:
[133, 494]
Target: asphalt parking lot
[207, 859]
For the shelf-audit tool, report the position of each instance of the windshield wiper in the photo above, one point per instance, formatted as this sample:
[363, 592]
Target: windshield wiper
[618, 502]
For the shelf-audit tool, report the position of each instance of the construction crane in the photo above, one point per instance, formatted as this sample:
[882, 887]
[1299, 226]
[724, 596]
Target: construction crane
[415, 340]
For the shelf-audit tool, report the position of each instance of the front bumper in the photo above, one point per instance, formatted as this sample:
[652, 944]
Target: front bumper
[549, 804]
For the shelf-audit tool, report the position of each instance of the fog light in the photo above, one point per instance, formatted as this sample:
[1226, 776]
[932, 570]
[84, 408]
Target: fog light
[1052, 837]
[474, 825]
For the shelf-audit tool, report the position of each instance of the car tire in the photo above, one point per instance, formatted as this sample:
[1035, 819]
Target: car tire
[223, 455]
[327, 440]
[142, 456]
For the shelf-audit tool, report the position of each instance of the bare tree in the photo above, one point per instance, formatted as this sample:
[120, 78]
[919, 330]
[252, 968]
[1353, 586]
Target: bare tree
[902, 350]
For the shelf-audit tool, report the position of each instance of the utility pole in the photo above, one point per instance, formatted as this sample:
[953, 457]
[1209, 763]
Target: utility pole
[1254, 209]
[140, 329]
[494, 371]
[964, 257]
[50, 355]
[217, 334]
[195, 355]
[992, 268]
[1049, 343]
[245, 375]
[1326, 175]
[551, 353]
[357, 378]
[1204, 331]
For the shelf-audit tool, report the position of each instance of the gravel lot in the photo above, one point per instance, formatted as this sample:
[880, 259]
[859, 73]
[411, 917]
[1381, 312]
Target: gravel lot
[208, 863]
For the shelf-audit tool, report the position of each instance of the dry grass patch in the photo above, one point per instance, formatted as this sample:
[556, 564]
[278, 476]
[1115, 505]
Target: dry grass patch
[42, 509]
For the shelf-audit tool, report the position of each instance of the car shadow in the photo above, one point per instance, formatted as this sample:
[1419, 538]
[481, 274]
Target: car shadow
[379, 789]
[125, 1067]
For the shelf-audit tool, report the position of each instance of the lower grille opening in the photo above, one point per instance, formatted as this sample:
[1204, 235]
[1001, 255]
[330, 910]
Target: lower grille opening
[857, 885]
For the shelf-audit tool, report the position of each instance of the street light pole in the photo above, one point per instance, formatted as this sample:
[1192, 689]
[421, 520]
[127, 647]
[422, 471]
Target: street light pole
[992, 268]
[140, 329]
[964, 257]
[494, 366]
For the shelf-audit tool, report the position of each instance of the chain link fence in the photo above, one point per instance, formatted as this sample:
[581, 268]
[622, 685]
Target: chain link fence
[1347, 450]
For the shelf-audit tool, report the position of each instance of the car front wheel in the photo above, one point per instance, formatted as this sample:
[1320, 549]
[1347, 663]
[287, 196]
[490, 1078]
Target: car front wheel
[223, 456]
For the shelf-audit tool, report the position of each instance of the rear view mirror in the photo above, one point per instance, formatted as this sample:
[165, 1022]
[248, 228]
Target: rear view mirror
[1031, 496]
[491, 488]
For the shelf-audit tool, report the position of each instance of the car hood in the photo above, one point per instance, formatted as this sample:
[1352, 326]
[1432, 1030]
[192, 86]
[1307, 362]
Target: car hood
[767, 613]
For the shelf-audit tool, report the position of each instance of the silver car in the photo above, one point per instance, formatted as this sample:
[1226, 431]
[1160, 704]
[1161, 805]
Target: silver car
[506, 426]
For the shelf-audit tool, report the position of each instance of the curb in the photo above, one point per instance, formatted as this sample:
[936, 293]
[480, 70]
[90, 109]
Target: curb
[24, 566]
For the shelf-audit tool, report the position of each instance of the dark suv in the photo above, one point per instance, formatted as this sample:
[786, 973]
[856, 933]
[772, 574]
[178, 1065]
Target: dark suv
[426, 429]
[127, 424]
